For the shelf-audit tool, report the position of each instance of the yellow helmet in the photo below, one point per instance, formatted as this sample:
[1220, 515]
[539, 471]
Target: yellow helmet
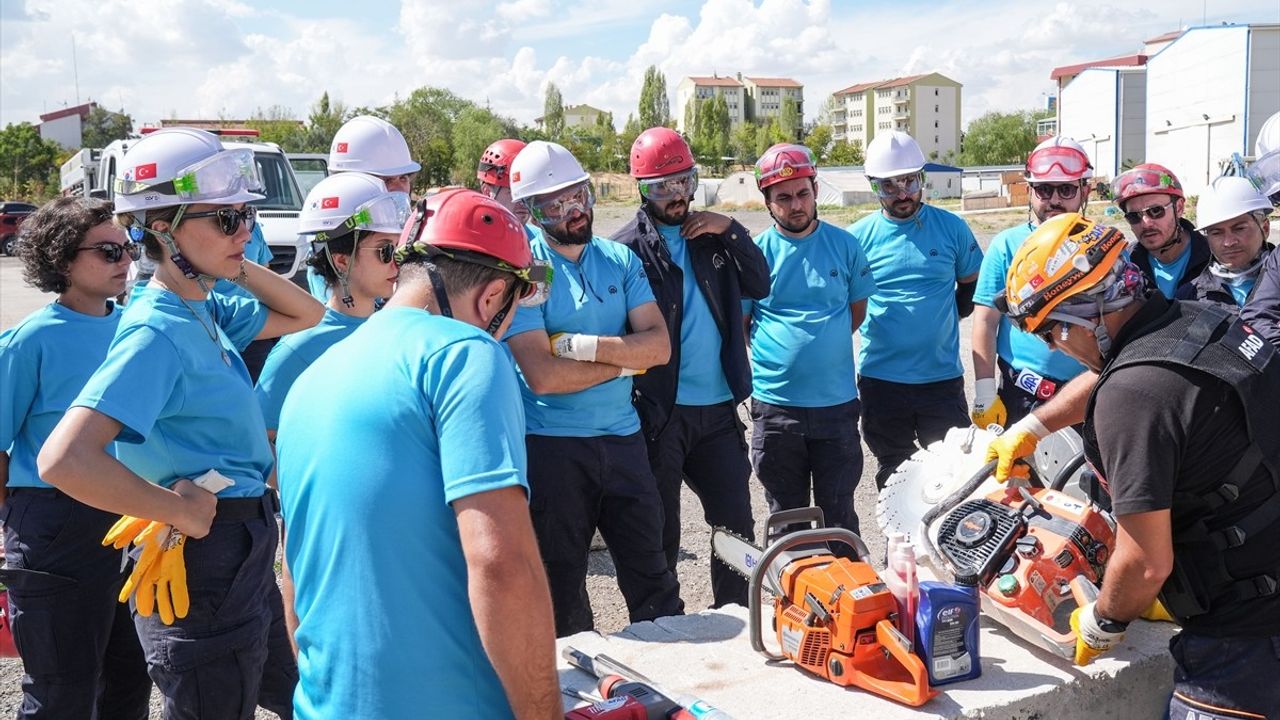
[1070, 268]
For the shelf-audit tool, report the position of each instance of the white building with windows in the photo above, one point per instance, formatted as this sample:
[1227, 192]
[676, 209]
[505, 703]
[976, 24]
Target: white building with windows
[1104, 109]
[695, 88]
[927, 107]
[765, 95]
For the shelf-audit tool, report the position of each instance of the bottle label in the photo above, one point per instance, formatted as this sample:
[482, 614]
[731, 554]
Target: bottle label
[950, 657]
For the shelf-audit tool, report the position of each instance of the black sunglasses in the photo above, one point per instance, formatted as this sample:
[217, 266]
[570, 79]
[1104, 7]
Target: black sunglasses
[1155, 212]
[229, 218]
[112, 252]
[1066, 191]
[1045, 332]
[386, 252]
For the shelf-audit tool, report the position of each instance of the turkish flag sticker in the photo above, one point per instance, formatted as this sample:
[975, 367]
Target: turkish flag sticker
[328, 203]
[340, 147]
[144, 172]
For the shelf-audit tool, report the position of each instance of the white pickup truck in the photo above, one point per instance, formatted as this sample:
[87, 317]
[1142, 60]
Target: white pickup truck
[277, 212]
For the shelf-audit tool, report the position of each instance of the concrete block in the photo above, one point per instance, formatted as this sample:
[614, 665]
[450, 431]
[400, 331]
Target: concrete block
[709, 655]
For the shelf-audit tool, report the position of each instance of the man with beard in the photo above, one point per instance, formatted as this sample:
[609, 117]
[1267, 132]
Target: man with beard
[925, 262]
[804, 402]
[577, 353]
[1170, 251]
[1015, 371]
[700, 266]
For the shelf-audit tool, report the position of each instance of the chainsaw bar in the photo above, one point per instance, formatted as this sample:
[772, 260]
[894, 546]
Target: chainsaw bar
[736, 551]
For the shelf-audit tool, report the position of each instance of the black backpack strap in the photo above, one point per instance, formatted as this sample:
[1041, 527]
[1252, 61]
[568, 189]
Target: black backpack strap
[1198, 334]
[1236, 535]
[1238, 477]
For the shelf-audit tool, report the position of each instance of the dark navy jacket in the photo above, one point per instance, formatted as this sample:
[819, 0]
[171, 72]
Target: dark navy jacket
[1200, 257]
[1207, 287]
[1262, 312]
[728, 268]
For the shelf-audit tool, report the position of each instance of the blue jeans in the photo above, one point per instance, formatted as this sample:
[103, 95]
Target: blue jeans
[1225, 678]
[79, 651]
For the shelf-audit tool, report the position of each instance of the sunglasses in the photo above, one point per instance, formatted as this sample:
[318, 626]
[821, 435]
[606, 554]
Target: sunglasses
[112, 252]
[386, 252]
[893, 187]
[229, 218]
[1066, 191]
[1155, 212]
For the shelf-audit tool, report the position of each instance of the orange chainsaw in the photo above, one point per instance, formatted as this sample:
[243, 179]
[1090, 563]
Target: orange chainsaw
[833, 616]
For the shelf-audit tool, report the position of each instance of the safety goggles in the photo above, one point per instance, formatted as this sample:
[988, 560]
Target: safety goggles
[219, 176]
[229, 219]
[1067, 160]
[499, 171]
[670, 187]
[1142, 177]
[1265, 174]
[1155, 212]
[559, 207]
[1046, 191]
[895, 186]
[385, 213]
[112, 252]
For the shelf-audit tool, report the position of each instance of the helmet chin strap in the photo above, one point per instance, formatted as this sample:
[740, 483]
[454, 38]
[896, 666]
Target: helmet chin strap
[1171, 242]
[344, 277]
[442, 300]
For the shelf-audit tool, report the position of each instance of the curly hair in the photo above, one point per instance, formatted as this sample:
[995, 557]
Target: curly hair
[49, 237]
[319, 259]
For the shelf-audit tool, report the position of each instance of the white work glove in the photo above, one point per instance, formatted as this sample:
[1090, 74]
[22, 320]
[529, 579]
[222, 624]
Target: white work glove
[575, 346]
[988, 408]
[1093, 636]
[628, 372]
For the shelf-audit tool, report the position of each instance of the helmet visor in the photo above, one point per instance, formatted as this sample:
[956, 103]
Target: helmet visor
[1067, 160]
[786, 162]
[1141, 180]
[557, 207]
[223, 175]
[1265, 173]
[385, 213]
[680, 185]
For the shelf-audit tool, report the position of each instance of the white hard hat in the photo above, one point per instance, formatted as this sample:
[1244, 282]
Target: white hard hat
[183, 166]
[370, 145]
[355, 201]
[1229, 198]
[1265, 172]
[1058, 159]
[893, 153]
[544, 167]
[1268, 137]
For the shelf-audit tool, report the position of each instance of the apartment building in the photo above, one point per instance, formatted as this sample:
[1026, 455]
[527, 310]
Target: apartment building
[927, 107]
[701, 87]
[765, 95]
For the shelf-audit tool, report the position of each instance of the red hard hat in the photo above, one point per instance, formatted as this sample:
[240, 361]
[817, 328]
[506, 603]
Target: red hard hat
[1146, 179]
[495, 161]
[784, 161]
[465, 220]
[658, 152]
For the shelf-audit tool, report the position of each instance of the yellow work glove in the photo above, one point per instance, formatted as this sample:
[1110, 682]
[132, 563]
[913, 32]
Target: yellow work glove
[164, 587]
[151, 540]
[1157, 612]
[125, 531]
[988, 408]
[628, 372]
[1017, 442]
[1094, 636]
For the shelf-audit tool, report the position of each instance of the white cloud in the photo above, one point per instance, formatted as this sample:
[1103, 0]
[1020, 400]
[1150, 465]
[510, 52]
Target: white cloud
[522, 10]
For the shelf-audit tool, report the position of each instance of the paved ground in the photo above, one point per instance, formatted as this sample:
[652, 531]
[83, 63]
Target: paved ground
[17, 300]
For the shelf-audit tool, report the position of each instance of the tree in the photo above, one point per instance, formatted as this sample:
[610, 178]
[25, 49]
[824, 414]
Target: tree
[789, 119]
[631, 131]
[426, 119]
[27, 160]
[323, 124]
[473, 131]
[276, 125]
[819, 141]
[743, 142]
[102, 126]
[719, 127]
[553, 112]
[655, 108]
[845, 153]
[999, 139]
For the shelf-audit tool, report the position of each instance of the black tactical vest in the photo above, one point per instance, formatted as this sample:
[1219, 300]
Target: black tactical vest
[1207, 338]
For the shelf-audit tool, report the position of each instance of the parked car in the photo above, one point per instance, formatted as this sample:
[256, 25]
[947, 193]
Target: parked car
[11, 216]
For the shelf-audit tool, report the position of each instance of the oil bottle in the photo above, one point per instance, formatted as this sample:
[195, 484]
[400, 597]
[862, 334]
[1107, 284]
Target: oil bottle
[947, 622]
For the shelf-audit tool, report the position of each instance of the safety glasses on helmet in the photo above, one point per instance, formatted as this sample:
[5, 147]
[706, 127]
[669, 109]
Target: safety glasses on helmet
[1068, 160]
[1265, 174]
[228, 218]
[1155, 212]
[1143, 178]
[112, 252]
[385, 213]
[786, 163]
[221, 175]
[680, 185]
[895, 186]
[558, 207]
[1046, 191]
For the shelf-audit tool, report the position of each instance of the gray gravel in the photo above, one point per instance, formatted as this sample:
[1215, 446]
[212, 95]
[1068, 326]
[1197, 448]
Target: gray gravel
[609, 608]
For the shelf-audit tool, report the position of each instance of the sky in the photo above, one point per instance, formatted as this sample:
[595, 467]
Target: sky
[225, 58]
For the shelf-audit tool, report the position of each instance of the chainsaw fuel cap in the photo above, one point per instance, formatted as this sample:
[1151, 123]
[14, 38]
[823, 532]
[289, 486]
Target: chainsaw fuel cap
[974, 528]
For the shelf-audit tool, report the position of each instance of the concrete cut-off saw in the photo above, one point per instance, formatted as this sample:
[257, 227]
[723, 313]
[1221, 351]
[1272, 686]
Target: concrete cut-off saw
[833, 616]
[1039, 552]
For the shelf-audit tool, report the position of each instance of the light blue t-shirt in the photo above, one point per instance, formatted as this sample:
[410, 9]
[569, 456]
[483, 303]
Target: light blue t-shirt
[1022, 350]
[184, 398]
[255, 250]
[912, 331]
[1240, 291]
[801, 333]
[382, 434]
[1169, 277]
[44, 362]
[293, 354]
[701, 380]
[593, 297]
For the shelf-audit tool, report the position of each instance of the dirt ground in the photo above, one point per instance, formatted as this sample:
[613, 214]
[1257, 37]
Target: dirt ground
[16, 300]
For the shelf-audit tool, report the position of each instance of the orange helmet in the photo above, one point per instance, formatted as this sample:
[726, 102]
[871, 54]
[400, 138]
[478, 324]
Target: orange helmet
[1070, 268]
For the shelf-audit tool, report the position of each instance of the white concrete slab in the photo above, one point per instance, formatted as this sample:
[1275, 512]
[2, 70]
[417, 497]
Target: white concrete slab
[709, 655]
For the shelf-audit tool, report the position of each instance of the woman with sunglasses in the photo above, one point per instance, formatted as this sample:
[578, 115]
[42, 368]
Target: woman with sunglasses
[353, 222]
[1170, 250]
[175, 394]
[74, 638]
